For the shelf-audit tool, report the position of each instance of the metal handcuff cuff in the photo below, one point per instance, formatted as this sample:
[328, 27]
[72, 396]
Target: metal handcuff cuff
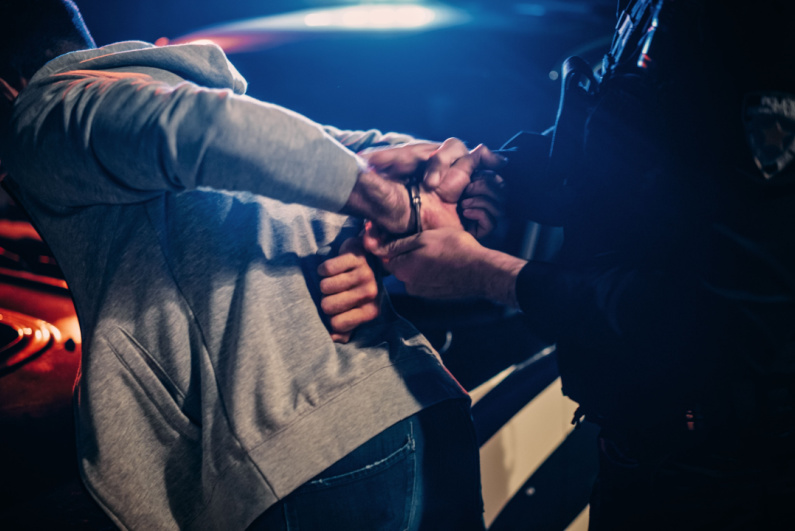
[413, 187]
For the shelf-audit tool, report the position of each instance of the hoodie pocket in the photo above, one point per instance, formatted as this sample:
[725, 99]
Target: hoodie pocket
[161, 392]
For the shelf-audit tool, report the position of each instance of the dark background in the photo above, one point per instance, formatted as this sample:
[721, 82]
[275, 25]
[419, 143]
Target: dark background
[480, 81]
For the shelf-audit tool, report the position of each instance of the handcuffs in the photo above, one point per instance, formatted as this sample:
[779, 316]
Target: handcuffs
[415, 202]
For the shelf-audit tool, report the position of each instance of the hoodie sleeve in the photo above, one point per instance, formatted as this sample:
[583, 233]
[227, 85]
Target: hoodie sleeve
[359, 140]
[119, 137]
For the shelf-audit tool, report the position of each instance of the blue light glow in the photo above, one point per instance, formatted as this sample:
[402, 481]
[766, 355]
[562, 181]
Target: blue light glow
[533, 10]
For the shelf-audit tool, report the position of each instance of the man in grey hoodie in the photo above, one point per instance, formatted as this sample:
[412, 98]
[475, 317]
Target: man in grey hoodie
[210, 389]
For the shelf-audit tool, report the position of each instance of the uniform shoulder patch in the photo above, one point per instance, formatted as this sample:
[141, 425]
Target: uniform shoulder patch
[769, 119]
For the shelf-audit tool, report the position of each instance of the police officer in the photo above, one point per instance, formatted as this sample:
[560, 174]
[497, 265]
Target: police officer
[672, 301]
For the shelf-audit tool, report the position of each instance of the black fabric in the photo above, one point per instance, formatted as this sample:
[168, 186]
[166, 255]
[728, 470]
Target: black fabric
[672, 301]
[677, 273]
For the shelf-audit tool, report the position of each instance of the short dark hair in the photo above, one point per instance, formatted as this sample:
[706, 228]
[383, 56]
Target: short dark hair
[34, 31]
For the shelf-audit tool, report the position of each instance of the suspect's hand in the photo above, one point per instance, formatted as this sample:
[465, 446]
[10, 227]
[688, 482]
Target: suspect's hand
[448, 168]
[402, 161]
[350, 290]
[405, 162]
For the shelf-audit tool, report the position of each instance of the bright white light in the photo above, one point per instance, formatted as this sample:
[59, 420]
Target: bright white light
[364, 18]
[354, 18]
[318, 19]
[203, 41]
[414, 16]
[382, 17]
[373, 17]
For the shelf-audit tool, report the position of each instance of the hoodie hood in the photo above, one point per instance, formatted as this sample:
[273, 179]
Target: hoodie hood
[204, 64]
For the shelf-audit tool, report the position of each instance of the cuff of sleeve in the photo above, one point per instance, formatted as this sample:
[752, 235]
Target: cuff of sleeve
[333, 194]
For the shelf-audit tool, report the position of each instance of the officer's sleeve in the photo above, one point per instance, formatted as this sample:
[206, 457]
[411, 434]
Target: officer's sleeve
[613, 306]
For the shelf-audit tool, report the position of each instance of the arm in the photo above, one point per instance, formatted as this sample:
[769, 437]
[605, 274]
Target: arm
[602, 303]
[358, 141]
[126, 137]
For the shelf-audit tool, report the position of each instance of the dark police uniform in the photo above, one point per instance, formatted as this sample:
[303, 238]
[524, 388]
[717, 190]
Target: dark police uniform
[672, 301]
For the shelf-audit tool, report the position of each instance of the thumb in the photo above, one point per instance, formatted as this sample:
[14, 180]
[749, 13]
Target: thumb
[396, 248]
[433, 179]
[379, 243]
[391, 250]
[485, 158]
[373, 240]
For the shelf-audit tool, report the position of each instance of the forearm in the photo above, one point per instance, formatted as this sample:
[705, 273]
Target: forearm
[130, 138]
[497, 274]
[359, 140]
[232, 142]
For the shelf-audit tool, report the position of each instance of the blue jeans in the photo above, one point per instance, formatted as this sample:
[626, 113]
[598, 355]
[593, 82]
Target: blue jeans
[422, 473]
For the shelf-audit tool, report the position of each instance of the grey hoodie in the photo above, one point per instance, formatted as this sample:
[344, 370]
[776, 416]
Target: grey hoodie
[209, 387]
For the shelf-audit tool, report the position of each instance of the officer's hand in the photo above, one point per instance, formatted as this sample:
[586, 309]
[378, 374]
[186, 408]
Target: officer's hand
[482, 204]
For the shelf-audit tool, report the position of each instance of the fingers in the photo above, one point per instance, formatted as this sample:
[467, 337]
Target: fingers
[480, 160]
[350, 290]
[484, 211]
[482, 203]
[442, 159]
[486, 159]
[351, 256]
[375, 241]
[339, 264]
[349, 280]
[401, 160]
[350, 320]
[483, 224]
[456, 179]
[376, 244]
[490, 205]
[340, 338]
[450, 168]
[485, 183]
[401, 267]
[346, 299]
